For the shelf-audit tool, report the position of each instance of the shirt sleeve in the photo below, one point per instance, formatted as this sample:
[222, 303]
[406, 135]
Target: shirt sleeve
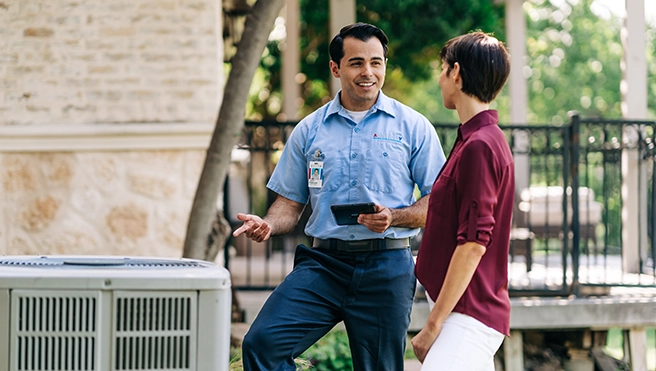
[477, 186]
[289, 178]
[427, 157]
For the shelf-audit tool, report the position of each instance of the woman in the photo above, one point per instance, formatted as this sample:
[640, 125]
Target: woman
[463, 258]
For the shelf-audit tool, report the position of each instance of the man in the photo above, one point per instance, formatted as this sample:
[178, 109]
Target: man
[463, 257]
[371, 149]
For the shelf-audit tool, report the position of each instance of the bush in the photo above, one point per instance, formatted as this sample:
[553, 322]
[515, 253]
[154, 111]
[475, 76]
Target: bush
[236, 364]
[331, 353]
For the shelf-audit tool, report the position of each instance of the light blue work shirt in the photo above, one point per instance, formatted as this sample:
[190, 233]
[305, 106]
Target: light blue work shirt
[377, 160]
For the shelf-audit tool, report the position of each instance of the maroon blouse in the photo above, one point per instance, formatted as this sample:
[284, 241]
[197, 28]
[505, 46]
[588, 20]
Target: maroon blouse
[472, 200]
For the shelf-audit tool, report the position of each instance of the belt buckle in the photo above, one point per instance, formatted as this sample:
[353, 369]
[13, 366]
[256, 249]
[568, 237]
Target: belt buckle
[362, 245]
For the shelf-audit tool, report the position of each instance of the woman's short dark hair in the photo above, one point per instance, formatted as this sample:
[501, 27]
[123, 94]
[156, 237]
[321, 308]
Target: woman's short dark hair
[361, 31]
[484, 63]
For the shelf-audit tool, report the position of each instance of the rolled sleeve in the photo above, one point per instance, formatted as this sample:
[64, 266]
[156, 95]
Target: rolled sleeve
[476, 228]
[478, 185]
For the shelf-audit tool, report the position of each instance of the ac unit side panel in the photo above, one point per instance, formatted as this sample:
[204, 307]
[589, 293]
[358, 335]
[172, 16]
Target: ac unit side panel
[214, 312]
[154, 330]
[54, 330]
[4, 329]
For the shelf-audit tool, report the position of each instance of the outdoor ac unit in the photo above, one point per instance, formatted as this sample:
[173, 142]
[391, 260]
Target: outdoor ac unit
[113, 313]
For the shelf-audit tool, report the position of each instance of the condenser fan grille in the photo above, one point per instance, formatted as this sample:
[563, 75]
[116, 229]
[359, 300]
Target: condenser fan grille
[154, 331]
[54, 332]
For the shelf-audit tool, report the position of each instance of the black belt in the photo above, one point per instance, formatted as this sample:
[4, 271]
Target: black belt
[361, 245]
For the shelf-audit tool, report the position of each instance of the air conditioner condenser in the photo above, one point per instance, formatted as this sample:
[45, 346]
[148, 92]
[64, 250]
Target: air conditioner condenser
[110, 313]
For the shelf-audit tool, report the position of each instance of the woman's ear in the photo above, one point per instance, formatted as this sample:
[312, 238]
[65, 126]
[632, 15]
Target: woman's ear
[455, 74]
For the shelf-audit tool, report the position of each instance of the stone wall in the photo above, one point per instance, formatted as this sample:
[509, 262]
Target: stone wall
[125, 203]
[86, 61]
[67, 65]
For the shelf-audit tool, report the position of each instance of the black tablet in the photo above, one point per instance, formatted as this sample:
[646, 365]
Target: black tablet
[346, 214]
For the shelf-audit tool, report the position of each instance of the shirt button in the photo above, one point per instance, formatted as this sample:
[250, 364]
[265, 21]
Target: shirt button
[385, 154]
[354, 155]
[353, 183]
[352, 236]
[357, 130]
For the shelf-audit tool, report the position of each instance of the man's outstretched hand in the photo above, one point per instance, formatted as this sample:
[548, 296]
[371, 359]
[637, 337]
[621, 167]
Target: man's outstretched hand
[255, 228]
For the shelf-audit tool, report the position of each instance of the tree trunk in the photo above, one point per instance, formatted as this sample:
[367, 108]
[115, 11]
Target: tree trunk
[229, 124]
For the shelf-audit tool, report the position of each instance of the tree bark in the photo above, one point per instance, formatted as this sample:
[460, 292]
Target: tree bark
[229, 124]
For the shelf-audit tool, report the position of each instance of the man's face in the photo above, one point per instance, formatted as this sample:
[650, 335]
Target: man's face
[361, 73]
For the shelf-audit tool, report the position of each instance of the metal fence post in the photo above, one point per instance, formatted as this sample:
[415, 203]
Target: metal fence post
[575, 150]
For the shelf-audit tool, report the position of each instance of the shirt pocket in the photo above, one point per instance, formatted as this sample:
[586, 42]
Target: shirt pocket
[442, 197]
[386, 169]
[333, 166]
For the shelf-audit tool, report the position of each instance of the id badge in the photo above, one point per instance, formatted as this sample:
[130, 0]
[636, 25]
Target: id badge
[315, 174]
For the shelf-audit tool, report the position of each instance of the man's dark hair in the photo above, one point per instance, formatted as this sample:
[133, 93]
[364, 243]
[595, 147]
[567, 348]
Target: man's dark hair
[361, 31]
[484, 63]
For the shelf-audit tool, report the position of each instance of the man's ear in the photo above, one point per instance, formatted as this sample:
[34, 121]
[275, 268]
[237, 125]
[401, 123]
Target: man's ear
[334, 69]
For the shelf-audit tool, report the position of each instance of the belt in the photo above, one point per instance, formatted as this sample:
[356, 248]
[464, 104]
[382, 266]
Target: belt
[362, 245]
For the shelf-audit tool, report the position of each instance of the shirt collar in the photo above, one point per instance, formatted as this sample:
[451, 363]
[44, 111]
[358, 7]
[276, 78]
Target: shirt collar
[481, 119]
[383, 103]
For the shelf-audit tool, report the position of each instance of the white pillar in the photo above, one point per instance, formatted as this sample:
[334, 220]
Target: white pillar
[638, 347]
[516, 43]
[513, 351]
[291, 64]
[634, 107]
[342, 13]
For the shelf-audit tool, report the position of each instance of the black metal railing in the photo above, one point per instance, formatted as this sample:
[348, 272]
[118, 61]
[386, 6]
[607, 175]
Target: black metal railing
[569, 212]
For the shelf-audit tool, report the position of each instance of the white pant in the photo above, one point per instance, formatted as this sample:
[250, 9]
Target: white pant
[464, 344]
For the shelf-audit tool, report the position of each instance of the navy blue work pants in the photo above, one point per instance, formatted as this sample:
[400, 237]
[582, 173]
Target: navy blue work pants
[372, 292]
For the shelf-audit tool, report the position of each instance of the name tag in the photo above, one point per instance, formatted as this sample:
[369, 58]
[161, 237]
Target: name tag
[315, 174]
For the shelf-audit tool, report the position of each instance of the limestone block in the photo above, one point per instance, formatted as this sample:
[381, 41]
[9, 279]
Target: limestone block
[192, 168]
[18, 174]
[38, 32]
[153, 186]
[39, 213]
[59, 168]
[158, 159]
[22, 245]
[127, 222]
[72, 240]
[171, 226]
[3, 229]
[102, 169]
[87, 200]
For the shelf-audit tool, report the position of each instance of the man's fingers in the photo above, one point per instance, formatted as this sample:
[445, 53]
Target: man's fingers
[248, 225]
[239, 230]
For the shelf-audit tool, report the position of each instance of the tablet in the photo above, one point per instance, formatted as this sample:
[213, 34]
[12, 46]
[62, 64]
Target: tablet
[346, 214]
